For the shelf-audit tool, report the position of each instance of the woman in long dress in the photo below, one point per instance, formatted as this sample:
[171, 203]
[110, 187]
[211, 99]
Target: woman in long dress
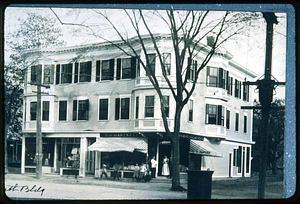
[165, 168]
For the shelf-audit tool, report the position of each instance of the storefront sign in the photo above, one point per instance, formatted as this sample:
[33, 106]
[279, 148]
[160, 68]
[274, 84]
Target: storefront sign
[188, 136]
[127, 134]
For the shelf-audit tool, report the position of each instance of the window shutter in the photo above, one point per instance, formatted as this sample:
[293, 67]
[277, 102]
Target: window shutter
[220, 78]
[76, 73]
[188, 68]
[74, 109]
[89, 71]
[133, 67]
[219, 114]
[117, 109]
[57, 73]
[98, 63]
[87, 108]
[118, 69]
[111, 69]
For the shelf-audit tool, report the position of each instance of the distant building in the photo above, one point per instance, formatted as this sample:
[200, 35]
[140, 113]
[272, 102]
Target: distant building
[101, 99]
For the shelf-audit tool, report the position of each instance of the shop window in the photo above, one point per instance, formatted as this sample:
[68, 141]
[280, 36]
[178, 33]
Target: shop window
[48, 74]
[85, 71]
[214, 114]
[122, 108]
[150, 65]
[167, 62]
[33, 109]
[227, 119]
[62, 111]
[137, 101]
[167, 105]
[246, 92]
[149, 106]
[191, 69]
[245, 124]
[107, 71]
[35, 70]
[103, 109]
[191, 110]
[236, 122]
[237, 91]
[45, 113]
[66, 73]
[80, 109]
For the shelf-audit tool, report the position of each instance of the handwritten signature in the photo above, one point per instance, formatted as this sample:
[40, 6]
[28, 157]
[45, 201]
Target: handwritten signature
[25, 188]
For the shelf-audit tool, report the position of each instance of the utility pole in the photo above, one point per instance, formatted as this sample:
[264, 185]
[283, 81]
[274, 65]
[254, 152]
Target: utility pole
[39, 140]
[266, 87]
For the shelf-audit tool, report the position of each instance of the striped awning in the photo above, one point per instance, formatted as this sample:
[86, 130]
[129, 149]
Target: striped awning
[120, 144]
[202, 148]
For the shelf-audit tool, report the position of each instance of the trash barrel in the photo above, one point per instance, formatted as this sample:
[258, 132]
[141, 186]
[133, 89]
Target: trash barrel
[199, 184]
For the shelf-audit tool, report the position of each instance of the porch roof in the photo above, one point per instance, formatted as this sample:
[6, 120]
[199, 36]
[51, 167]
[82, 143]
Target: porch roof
[201, 148]
[110, 144]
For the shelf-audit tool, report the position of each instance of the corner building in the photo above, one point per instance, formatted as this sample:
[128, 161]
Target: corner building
[101, 98]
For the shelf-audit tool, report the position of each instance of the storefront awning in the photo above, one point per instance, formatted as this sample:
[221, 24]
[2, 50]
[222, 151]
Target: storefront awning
[120, 144]
[202, 148]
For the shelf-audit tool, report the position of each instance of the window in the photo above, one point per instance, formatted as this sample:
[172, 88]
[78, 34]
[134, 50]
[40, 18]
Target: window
[33, 109]
[103, 109]
[248, 160]
[191, 70]
[214, 114]
[239, 159]
[45, 115]
[212, 77]
[245, 124]
[107, 72]
[62, 111]
[167, 62]
[149, 106]
[126, 68]
[66, 73]
[246, 92]
[85, 71]
[191, 110]
[167, 105]
[222, 77]
[236, 122]
[122, 107]
[81, 109]
[35, 70]
[151, 64]
[237, 90]
[137, 101]
[228, 119]
[48, 74]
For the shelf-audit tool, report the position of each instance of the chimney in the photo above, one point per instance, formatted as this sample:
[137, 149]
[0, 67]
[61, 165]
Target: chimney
[210, 40]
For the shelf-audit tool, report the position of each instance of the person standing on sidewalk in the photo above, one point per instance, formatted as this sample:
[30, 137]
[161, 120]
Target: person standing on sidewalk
[104, 172]
[165, 168]
[116, 171]
[153, 167]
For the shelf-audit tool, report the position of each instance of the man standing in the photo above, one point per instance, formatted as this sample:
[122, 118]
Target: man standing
[153, 167]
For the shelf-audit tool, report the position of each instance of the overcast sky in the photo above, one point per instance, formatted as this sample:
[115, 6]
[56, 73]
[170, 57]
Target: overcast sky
[249, 51]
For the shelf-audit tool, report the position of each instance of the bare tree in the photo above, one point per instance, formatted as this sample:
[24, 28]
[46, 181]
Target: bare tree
[186, 29]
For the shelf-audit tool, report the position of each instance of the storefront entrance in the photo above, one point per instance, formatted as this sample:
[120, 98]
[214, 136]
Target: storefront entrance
[164, 150]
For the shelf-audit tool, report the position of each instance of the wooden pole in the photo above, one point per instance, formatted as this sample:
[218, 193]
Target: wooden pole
[39, 142]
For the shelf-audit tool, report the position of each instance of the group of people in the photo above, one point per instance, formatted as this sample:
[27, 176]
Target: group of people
[142, 171]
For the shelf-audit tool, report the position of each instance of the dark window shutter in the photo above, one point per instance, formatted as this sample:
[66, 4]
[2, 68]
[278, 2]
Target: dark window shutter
[98, 63]
[219, 113]
[133, 67]
[118, 69]
[188, 68]
[89, 71]
[57, 74]
[111, 69]
[76, 73]
[220, 77]
[74, 109]
[87, 108]
[117, 109]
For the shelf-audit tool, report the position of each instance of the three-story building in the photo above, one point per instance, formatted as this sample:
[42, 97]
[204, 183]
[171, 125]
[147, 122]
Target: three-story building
[101, 99]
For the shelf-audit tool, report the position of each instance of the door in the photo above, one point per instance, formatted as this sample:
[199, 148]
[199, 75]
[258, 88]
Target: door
[230, 163]
[164, 150]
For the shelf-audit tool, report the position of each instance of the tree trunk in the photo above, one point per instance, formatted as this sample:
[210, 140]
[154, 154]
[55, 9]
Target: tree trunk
[176, 151]
[5, 147]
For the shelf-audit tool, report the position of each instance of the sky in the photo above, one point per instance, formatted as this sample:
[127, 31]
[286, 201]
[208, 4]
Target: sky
[248, 50]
